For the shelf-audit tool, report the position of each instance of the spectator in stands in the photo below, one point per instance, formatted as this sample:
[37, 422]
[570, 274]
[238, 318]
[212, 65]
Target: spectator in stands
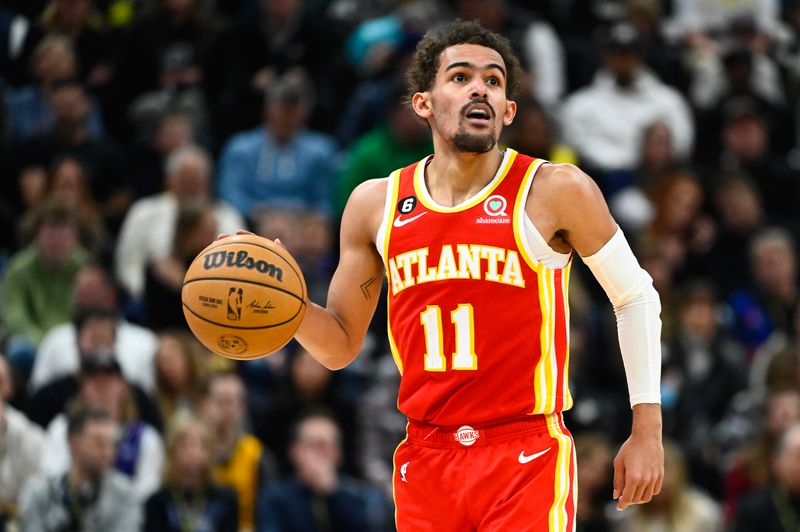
[679, 506]
[189, 499]
[71, 134]
[23, 448]
[703, 369]
[318, 497]
[172, 130]
[681, 231]
[594, 456]
[751, 465]
[396, 142]
[770, 303]
[380, 426]
[140, 451]
[307, 385]
[38, 282]
[776, 507]
[533, 133]
[605, 121]
[281, 163]
[95, 333]
[30, 109]
[540, 49]
[741, 215]
[189, 171]
[58, 354]
[90, 496]
[195, 228]
[240, 460]
[180, 373]
[748, 149]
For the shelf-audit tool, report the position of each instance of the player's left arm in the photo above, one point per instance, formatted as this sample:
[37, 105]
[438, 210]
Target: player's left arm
[580, 218]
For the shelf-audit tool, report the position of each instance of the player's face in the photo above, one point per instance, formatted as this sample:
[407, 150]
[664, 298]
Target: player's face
[467, 106]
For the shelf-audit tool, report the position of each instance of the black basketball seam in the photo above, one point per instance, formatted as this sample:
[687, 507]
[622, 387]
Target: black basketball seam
[279, 289]
[299, 275]
[246, 328]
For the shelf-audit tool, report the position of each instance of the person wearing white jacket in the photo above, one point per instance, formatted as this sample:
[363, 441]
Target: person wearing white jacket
[605, 121]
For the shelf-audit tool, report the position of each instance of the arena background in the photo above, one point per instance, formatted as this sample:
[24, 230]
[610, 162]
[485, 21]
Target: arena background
[133, 131]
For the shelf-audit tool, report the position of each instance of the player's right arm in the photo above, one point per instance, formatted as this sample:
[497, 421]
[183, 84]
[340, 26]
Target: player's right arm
[334, 334]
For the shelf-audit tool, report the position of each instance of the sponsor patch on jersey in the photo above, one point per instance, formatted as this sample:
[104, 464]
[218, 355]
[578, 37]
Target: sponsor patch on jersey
[495, 208]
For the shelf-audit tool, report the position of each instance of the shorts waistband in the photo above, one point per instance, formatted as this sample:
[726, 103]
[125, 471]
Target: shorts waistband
[460, 436]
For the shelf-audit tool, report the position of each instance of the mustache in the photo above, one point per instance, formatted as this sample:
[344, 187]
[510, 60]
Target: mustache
[475, 101]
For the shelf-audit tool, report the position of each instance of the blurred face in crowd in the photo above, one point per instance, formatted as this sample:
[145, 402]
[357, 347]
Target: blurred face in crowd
[698, 317]
[657, 147]
[56, 241]
[490, 12]
[739, 206]
[623, 65]
[309, 376]
[179, 7]
[71, 14]
[55, 62]
[317, 439]
[97, 335]
[286, 118]
[68, 185]
[787, 461]
[774, 264]
[91, 288]
[93, 448]
[225, 404]
[467, 106]
[172, 363]
[280, 9]
[783, 410]
[174, 131]
[746, 138]
[189, 179]
[680, 203]
[105, 389]
[531, 133]
[70, 108]
[192, 455]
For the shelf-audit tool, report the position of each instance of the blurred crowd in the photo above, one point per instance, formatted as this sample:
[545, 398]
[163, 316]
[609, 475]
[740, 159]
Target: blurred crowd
[134, 131]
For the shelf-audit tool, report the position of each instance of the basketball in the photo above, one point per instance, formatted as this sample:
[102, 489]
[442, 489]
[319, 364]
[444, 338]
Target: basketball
[244, 297]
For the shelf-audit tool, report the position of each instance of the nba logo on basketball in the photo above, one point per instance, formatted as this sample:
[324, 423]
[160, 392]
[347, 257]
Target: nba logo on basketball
[235, 304]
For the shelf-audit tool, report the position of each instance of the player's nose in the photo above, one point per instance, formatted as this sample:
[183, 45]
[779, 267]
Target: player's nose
[478, 88]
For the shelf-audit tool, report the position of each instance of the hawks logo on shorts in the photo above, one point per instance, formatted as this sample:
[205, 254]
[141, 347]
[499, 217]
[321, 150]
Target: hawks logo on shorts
[467, 299]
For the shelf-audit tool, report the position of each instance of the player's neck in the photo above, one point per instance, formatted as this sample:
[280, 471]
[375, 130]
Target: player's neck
[453, 177]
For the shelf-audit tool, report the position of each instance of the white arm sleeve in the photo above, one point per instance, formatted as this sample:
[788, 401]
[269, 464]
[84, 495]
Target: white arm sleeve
[637, 307]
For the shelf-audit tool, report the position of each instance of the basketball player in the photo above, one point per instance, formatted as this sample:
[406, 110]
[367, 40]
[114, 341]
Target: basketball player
[477, 245]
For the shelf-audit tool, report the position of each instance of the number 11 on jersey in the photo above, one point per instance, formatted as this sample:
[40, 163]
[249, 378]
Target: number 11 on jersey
[463, 320]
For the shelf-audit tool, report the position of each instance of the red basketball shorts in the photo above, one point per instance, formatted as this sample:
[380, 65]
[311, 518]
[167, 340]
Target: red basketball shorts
[518, 476]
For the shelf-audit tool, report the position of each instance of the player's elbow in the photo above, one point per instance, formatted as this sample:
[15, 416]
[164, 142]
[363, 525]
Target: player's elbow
[338, 360]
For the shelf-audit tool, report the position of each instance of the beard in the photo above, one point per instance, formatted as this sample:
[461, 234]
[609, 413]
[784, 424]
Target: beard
[471, 143]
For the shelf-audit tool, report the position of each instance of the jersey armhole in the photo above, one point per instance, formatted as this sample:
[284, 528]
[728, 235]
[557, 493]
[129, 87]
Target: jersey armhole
[383, 230]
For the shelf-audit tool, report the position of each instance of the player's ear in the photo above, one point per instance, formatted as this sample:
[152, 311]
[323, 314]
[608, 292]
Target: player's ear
[510, 112]
[421, 103]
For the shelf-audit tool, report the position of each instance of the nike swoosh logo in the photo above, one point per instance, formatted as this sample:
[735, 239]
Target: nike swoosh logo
[400, 223]
[525, 459]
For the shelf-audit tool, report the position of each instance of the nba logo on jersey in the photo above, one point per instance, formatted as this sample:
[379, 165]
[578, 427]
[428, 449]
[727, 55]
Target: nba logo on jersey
[466, 435]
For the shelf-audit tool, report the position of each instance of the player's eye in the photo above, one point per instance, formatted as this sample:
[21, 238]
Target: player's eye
[459, 78]
[493, 81]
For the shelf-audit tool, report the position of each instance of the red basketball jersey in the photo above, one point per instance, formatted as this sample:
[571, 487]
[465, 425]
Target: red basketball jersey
[478, 328]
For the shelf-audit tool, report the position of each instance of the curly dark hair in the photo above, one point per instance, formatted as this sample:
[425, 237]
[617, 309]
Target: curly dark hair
[422, 71]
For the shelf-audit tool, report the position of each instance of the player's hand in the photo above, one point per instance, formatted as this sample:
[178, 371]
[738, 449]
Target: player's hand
[639, 466]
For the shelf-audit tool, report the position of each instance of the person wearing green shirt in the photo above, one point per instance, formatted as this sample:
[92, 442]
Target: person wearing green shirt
[397, 142]
[37, 290]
